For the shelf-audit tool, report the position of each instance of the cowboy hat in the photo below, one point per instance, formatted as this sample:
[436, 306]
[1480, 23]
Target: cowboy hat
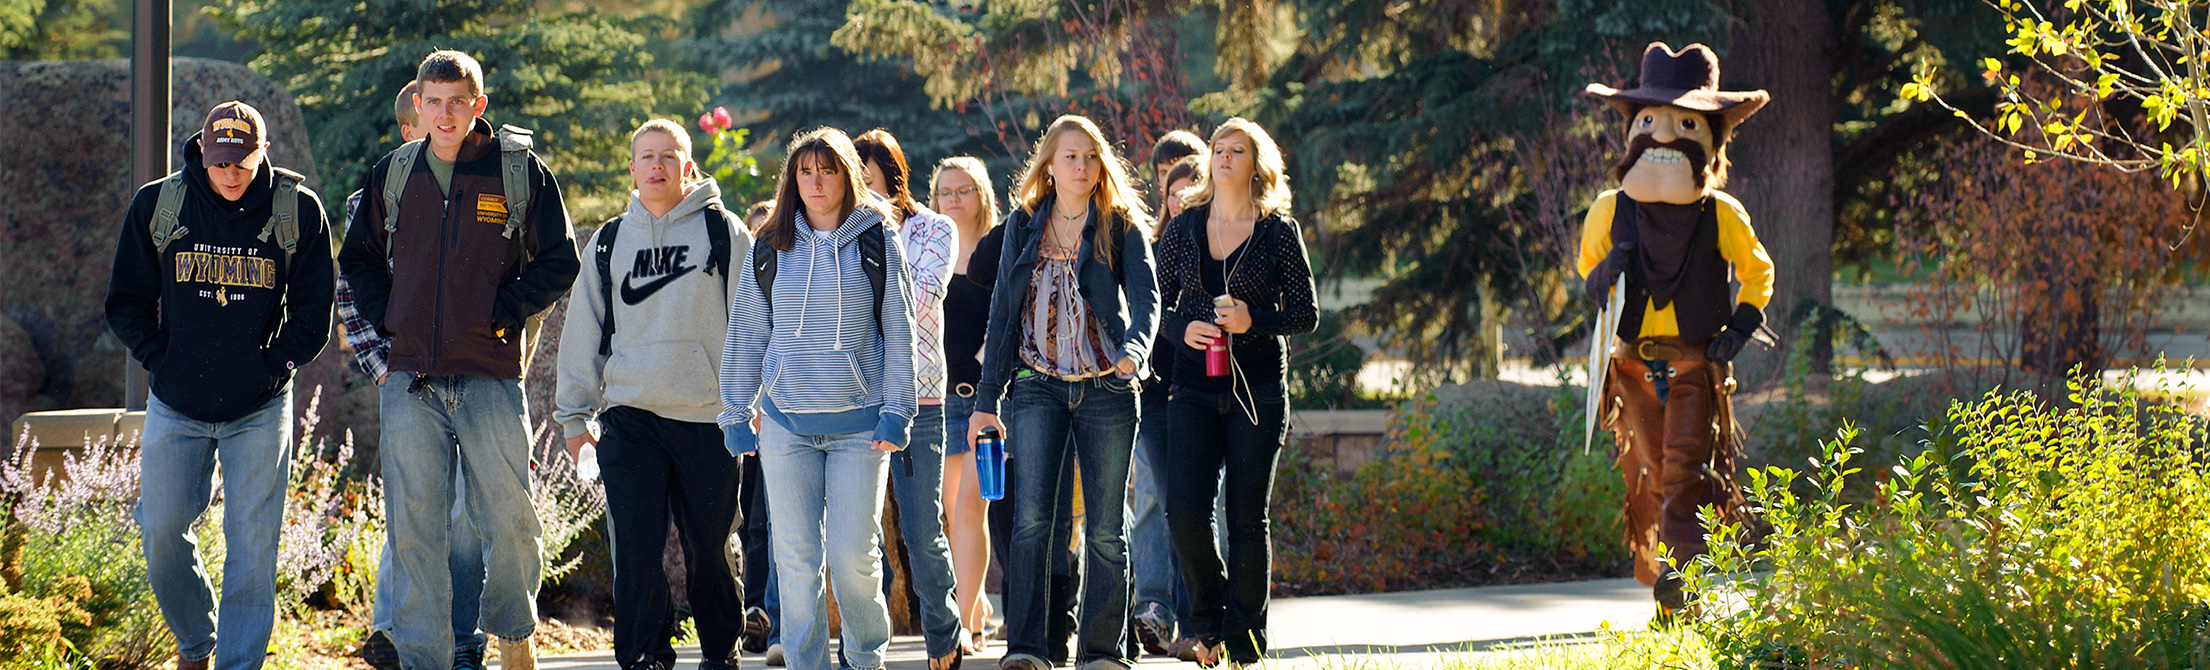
[1688, 79]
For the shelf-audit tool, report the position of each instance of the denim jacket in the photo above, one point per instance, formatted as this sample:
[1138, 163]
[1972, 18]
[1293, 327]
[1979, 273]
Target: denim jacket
[1123, 297]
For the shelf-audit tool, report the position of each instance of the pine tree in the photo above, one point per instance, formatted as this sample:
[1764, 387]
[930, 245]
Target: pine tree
[793, 79]
[582, 81]
[61, 30]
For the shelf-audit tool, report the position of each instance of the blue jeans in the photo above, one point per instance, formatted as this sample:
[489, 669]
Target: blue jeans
[1150, 545]
[1092, 422]
[813, 528]
[920, 496]
[176, 466]
[466, 564]
[477, 427]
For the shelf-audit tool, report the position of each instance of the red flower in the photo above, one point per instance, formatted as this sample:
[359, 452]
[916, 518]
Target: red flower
[721, 118]
[706, 123]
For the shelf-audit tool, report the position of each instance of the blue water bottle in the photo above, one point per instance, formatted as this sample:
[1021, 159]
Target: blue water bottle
[990, 464]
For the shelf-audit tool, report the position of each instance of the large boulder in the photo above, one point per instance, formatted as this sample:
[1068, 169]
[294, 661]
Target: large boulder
[65, 183]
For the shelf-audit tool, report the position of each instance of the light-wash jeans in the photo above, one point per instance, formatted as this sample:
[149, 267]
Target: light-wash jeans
[466, 563]
[479, 427]
[920, 496]
[825, 495]
[176, 467]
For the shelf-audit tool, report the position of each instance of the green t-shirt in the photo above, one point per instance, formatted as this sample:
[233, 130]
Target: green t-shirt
[443, 170]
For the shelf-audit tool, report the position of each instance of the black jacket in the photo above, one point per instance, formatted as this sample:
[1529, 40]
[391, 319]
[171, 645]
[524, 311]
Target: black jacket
[1275, 279]
[218, 319]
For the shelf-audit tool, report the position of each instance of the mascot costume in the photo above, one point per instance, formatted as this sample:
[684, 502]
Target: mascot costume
[1666, 251]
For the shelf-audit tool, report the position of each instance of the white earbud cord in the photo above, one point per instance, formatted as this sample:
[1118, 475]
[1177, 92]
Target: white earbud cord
[1239, 385]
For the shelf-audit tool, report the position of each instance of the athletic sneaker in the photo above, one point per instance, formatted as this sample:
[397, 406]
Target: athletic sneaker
[470, 658]
[756, 628]
[378, 652]
[775, 655]
[1154, 628]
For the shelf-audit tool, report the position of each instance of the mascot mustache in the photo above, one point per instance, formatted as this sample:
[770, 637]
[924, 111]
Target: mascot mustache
[1640, 143]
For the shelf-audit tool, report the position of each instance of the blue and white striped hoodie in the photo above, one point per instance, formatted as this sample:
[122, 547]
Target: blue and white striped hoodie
[823, 367]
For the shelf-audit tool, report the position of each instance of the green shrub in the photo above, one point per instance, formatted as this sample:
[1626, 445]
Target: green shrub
[72, 545]
[1480, 483]
[71, 563]
[2027, 533]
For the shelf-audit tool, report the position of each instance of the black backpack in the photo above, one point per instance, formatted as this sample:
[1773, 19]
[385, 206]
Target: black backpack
[717, 258]
[871, 255]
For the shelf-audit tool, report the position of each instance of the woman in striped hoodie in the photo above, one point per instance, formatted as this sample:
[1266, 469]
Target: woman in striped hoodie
[821, 344]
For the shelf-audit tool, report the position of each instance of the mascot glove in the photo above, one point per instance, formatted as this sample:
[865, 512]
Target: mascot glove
[1728, 343]
[1608, 271]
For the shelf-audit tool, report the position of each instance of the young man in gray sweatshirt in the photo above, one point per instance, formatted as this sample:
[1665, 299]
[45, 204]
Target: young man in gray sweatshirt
[644, 339]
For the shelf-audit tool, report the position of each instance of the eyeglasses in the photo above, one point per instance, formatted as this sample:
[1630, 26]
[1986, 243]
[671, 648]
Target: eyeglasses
[962, 191]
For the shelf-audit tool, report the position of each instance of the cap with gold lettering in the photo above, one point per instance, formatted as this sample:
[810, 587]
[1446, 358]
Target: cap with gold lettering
[233, 132]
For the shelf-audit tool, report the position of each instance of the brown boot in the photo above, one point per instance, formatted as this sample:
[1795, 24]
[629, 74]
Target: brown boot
[516, 654]
[201, 664]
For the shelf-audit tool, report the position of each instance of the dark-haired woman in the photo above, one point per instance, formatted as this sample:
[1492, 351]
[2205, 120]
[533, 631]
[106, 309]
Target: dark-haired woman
[829, 362]
[917, 474]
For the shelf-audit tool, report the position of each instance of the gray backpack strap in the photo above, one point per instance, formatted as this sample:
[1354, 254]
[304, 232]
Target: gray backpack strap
[514, 146]
[284, 213]
[164, 227]
[395, 182]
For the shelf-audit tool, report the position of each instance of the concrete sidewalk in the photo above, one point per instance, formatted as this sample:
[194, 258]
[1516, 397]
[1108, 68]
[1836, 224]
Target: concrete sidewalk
[1403, 627]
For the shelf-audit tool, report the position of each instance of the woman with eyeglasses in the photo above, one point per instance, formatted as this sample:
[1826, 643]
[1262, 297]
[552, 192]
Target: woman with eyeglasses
[960, 189]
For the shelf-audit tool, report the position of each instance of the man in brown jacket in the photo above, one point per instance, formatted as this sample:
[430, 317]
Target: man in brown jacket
[463, 243]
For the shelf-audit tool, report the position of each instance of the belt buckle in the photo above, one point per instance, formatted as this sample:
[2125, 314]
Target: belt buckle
[963, 390]
[1642, 350]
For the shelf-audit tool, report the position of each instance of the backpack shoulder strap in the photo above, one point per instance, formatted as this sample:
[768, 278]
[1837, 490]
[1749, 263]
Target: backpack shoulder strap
[514, 151]
[395, 182]
[284, 213]
[604, 258]
[871, 258]
[717, 240]
[717, 252]
[763, 271]
[164, 228]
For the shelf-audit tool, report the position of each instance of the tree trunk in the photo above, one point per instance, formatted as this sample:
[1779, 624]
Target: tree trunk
[2062, 324]
[1784, 157]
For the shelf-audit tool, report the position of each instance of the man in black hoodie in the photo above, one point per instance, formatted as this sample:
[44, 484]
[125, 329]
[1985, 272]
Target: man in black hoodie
[221, 288]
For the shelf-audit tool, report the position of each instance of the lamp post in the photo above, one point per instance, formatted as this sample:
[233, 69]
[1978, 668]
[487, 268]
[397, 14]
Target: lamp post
[149, 129]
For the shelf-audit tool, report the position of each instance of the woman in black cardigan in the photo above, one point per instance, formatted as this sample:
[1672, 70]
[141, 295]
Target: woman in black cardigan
[1235, 240]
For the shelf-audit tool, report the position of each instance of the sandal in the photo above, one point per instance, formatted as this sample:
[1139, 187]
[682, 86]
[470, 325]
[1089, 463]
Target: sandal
[949, 661]
[1211, 654]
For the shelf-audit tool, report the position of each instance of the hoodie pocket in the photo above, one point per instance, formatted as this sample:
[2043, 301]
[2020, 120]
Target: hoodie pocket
[662, 376]
[814, 380]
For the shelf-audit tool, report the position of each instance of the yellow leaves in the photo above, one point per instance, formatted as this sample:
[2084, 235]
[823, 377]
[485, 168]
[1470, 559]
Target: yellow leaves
[1916, 92]
[2104, 83]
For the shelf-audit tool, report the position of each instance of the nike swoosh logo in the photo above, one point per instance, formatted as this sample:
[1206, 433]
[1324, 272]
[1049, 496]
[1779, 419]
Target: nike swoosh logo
[631, 295]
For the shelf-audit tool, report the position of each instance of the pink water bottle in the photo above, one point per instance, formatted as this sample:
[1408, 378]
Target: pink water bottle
[1216, 355]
